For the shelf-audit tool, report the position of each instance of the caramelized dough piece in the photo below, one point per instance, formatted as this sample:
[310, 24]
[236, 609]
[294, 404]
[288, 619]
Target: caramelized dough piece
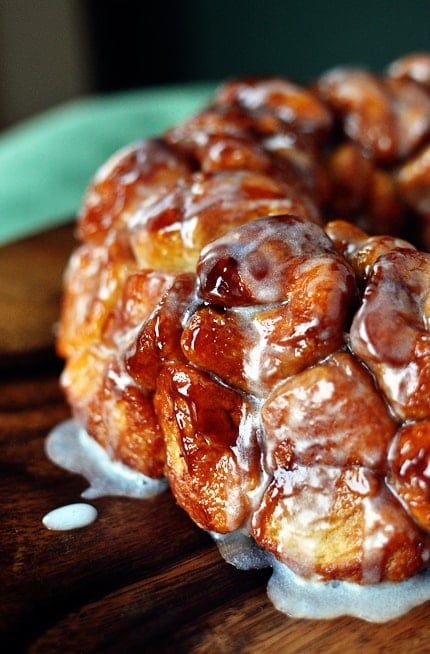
[114, 410]
[82, 381]
[366, 194]
[159, 339]
[92, 269]
[338, 523]
[214, 339]
[211, 444]
[409, 470]
[281, 261]
[300, 163]
[284, 158]
[413, 181]
[414, 66]
[277, 105]
[242, 379]
[220, 139]
[140, 294]
[225, 138]
[411, 105]
[234, 152]
[128, 180]
[346, 237]
[350, 174]
[360, 250]
[256, 263]
[390, 330]
[388, 118]
[133, 433]
[106, 401]
[330, 414]
[171, 232]
[196, 131]
[104, 300]
[307, 327]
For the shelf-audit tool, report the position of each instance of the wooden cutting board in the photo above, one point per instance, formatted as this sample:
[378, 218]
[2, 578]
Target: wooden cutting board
[30, 292]
[142, 578]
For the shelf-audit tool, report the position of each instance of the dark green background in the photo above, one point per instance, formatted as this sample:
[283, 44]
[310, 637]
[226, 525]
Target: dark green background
[139, 43]
[301, 38]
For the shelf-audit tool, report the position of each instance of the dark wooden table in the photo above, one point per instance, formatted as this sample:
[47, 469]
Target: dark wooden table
[143, 577]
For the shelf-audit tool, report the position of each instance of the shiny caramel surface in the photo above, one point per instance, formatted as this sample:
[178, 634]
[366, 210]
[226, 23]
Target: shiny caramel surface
[143, 576]
[247, 314]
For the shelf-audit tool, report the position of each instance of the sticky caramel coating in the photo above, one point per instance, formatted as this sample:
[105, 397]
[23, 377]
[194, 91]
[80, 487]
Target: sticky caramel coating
[276, 105]
[390, 330]
[130, 178]
[258, 262]
[327, 523]
[171, 233]
[368, 195]
[211, 444]
[159, 339]
[388, 118]
[329, 414]
[413, 180]
[248, 316]
[111, 406]
[414, 66]
[409, 469]
[361, 250]
[226, 137]
[282, 261]
[92, 269]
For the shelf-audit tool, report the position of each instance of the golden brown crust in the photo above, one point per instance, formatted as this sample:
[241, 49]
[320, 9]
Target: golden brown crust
[330, 414]
[409, 469]
[238, 319]
[414, 66]
[212, 450]
[127, 180]
[390, 330]
[337, 523]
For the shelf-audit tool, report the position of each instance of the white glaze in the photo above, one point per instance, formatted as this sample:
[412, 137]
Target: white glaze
[70, 447]
[71, 516]
[300, 598]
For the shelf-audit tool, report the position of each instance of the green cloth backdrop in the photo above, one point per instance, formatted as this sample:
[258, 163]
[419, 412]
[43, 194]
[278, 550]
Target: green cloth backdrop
[47, 161]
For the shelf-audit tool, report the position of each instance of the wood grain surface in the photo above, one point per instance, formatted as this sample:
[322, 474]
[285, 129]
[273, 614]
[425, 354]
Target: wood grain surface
[143, 577]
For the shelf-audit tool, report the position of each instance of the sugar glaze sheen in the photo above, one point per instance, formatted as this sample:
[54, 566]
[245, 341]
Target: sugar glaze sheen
[70, 516]
[72, 449]
[244, 317]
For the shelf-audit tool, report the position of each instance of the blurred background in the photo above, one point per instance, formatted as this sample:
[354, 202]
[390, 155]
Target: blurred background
[52, 51]
[81, 78]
